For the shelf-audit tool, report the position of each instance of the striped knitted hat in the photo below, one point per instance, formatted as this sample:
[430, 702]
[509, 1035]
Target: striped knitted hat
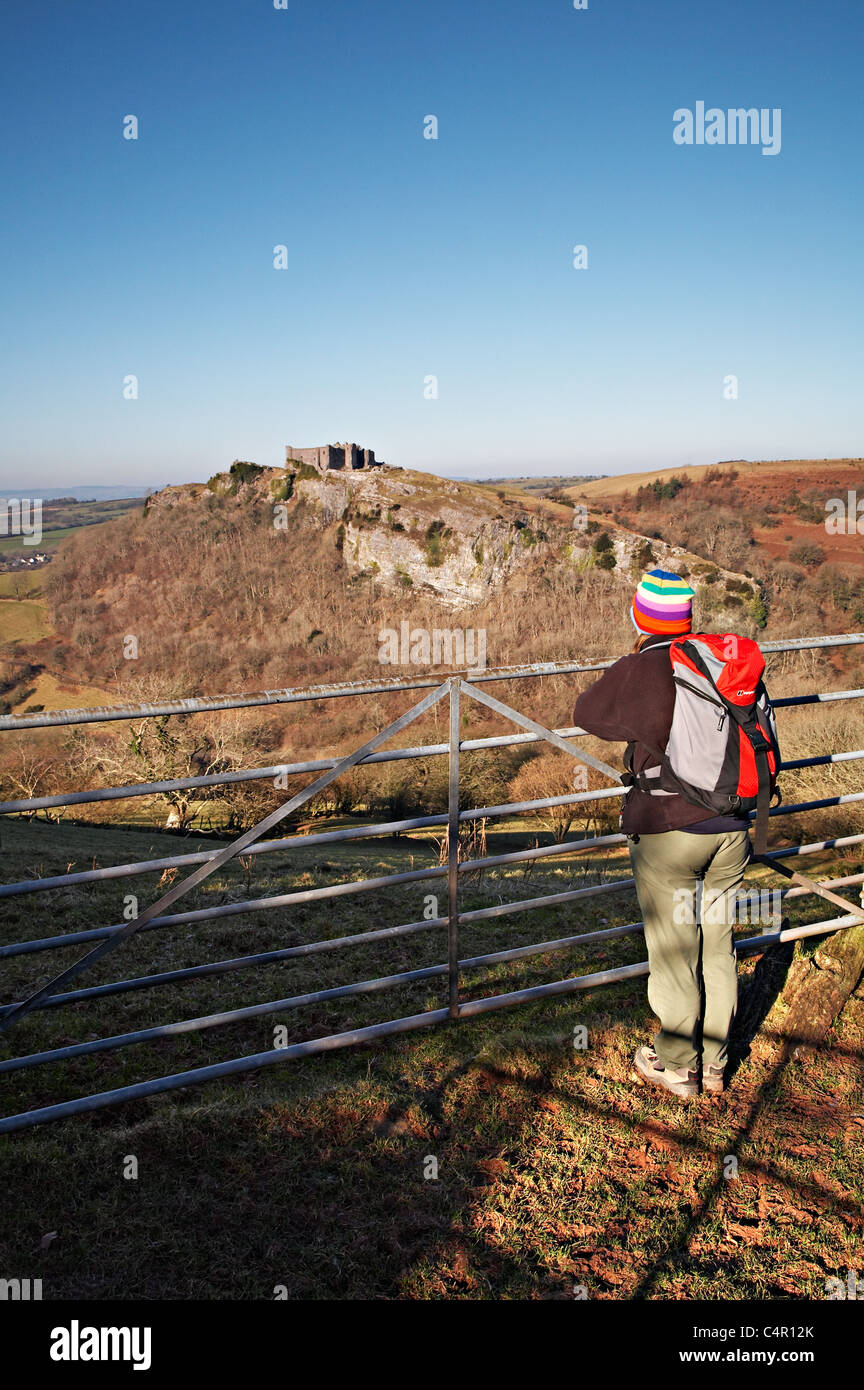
[662, 604]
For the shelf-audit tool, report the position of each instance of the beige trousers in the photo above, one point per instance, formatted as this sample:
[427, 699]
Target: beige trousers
[686, 885]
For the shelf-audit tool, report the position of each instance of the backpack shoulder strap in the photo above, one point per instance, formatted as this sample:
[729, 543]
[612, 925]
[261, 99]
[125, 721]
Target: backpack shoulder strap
[763, 801]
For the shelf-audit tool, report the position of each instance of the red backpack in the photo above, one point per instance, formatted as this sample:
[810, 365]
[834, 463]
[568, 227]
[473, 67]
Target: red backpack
[722, 752]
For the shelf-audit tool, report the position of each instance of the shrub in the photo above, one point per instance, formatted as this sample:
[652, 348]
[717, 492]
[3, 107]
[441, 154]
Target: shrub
[643, 559]
[243, 472]
[282, 488]
[659, 492]
[808, 554]
[305, 470]
[436, 533]
[758, 610]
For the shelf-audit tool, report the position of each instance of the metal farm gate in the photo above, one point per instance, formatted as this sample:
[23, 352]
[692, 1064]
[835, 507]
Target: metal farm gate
[454, 689]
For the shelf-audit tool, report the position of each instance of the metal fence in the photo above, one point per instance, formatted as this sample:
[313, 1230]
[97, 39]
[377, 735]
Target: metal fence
[454, 690]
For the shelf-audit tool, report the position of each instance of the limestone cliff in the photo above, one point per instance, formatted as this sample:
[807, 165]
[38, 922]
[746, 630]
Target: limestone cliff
[406, 530]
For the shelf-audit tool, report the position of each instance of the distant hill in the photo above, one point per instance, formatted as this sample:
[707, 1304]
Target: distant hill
[542, 484]
[84, 492]
[629, 482]
[762, 517]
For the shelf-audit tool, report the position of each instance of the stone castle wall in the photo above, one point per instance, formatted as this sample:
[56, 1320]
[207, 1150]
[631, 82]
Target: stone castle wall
[324, 456]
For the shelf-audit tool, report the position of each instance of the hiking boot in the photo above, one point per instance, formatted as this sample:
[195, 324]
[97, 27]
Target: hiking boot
[679, 1081]
[712, 1079]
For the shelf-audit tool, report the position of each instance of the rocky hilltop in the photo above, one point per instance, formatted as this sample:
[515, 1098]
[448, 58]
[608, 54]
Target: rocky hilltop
[452, 541]
[266, 577]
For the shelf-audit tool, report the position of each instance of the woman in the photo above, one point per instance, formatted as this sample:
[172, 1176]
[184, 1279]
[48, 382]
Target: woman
[687, 862]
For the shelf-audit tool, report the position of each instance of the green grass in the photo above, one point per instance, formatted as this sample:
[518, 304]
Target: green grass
[49, 540]
[22, 620]
[17, 584]
[555, 1169]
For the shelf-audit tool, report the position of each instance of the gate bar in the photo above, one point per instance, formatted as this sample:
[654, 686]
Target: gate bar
[342, 991]
[198, 875]
[361, 885]
[424, 750]
[335, 1041]
[102, 713]
[454, 688]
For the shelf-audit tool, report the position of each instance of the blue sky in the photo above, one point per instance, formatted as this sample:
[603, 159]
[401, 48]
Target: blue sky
[409, 258]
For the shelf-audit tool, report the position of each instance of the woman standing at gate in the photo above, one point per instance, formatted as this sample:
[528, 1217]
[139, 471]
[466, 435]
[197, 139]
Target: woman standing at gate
[680, 853]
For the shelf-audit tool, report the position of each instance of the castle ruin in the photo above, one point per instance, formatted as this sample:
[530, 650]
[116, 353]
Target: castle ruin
[324, 456]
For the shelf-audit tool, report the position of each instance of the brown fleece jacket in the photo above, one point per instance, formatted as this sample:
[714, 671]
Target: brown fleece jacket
[633, 702]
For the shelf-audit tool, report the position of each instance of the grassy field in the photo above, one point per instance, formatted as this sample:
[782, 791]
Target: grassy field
[54, 695]
[22, 620]
[23, 617]
[49, 540]
[556, 1170]
[18, 584]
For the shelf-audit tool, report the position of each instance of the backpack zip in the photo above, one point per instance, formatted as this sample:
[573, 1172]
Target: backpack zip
[700, 694]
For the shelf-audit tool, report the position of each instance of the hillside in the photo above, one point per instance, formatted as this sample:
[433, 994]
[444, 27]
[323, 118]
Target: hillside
[779, 505]
[814, 471]
[775, 521]
[262, 579]
[556, 1169]
[267, 578]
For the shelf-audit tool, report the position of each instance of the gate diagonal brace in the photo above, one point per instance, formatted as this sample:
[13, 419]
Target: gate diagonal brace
[541, 731]
[229, 852]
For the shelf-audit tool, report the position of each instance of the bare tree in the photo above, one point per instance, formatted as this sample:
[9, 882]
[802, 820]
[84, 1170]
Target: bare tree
[172, 748]
[29, 777]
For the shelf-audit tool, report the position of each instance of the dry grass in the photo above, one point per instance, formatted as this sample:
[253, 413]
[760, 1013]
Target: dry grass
[628, 482]
[555, 1168]
[21, 583]
[22, 620]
